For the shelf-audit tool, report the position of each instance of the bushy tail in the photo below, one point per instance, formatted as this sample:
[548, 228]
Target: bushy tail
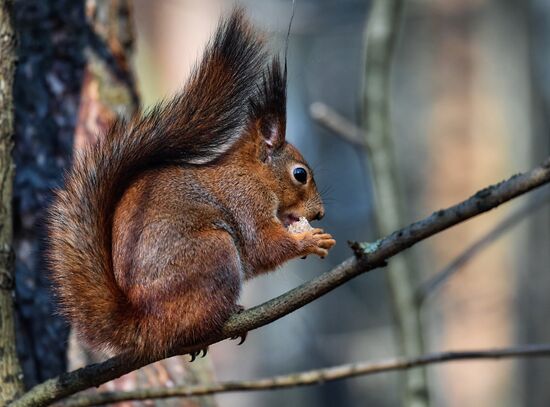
[195, 127]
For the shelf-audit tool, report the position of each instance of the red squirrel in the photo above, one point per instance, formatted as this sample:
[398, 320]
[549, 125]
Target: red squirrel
[160, 222]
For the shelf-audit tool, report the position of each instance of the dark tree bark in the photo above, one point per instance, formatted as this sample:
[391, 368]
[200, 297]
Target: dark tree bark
[52, 38]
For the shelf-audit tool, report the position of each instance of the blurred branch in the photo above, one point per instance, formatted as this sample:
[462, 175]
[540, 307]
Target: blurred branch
[334, 121]
[311, 377]
[440, 278]
[381, 38]
[11, 379]
[368, 256]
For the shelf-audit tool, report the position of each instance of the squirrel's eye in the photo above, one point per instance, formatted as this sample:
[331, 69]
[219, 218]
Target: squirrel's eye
[300, 174]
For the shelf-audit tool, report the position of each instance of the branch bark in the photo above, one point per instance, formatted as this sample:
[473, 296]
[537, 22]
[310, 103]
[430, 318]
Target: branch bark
[11, 379]
[308, 378]
[368, 256]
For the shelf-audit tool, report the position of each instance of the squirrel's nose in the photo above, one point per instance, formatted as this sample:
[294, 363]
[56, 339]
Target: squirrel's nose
[319, 215]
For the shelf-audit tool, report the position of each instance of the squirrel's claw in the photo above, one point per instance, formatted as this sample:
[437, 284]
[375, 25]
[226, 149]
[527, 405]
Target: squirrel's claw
[196, 353]
[238, 310]
[242, 337]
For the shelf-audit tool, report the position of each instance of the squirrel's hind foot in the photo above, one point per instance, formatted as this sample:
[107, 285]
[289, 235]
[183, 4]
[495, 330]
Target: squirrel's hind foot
[196, 353]
[242, 337]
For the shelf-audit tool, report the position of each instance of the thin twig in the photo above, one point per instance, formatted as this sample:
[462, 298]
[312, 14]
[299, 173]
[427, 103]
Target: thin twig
[308, 378]
[370, 256]
[335, 122]
[440, 278]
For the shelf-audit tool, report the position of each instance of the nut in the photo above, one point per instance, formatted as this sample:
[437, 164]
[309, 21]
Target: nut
[299, 227]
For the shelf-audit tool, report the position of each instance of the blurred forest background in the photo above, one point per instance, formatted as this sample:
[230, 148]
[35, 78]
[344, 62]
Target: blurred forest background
[470, 100]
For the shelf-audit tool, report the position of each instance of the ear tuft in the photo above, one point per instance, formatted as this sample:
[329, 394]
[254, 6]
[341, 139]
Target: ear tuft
[268, 106]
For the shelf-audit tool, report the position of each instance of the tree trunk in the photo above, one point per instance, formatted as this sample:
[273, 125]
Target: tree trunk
[11, 383]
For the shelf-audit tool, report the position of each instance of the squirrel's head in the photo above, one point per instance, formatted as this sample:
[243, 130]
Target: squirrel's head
[291, 177]
[297, 192]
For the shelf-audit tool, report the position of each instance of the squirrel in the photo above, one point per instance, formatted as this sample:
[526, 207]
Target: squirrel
[161, 221]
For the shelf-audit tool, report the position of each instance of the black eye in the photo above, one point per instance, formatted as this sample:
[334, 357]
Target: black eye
[300, 174]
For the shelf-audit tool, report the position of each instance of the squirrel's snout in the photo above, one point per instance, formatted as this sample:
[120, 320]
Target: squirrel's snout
[319, 215]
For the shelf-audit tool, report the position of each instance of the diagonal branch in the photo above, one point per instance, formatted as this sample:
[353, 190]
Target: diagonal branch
[307, 378]
[368, 257]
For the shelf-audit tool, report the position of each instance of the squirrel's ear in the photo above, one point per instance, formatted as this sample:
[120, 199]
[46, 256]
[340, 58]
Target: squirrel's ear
[272, 131]
[269, 106]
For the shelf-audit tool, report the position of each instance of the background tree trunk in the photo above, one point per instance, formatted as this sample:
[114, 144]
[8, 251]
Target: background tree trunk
[382, 33]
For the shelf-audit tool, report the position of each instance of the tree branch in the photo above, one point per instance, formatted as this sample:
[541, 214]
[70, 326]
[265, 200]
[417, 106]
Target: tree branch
[308, 378]
[368, 257]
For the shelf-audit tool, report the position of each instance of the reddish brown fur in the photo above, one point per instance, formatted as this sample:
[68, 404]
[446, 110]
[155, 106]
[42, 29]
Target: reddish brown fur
[149, 252]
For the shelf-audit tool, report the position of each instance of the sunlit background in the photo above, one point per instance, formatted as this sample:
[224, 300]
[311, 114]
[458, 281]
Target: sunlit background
[469, 99]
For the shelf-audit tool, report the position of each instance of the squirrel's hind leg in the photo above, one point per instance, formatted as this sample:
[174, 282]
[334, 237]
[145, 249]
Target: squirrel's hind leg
[195, 294]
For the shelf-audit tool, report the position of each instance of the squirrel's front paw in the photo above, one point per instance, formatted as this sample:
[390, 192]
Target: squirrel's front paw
[315, 241]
